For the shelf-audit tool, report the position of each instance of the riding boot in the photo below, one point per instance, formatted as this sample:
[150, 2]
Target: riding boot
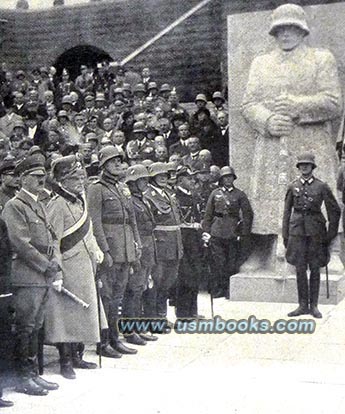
[66, 367]
[314, 292]
[302, 290]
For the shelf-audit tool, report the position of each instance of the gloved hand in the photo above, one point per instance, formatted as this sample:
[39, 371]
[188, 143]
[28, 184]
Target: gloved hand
[108, 260]
[206, 237]
[57, 285]
[52, 269]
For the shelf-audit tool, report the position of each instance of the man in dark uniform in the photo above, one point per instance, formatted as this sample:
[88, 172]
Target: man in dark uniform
[305, 234]
[116, 232]
[34, 271]
[190, 265]
[5, 315]
[167, 234]
[137, 178]
[9, 182]
[228, 216]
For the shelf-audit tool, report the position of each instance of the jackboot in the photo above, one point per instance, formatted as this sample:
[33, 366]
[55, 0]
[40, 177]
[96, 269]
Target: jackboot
[77, 357]
[66, 367]
[314, 293]
[302, 291]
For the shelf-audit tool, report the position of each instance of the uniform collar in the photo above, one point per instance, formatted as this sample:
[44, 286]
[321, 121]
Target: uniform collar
[227, 189]
[33, 196]
[309, 181]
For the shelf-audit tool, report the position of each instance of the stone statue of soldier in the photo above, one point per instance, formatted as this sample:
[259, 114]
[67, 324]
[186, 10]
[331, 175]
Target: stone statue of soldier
[292, 97]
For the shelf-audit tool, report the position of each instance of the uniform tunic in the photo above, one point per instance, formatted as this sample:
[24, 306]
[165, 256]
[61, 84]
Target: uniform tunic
[311, 76]
[304, 226]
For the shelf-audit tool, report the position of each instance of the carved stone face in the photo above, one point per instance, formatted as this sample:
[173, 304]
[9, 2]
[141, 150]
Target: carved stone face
[289, 37]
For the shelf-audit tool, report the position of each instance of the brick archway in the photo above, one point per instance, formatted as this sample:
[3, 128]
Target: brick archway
[72, 58]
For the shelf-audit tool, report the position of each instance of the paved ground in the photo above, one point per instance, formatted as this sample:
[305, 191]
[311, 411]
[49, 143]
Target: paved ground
[212, 373]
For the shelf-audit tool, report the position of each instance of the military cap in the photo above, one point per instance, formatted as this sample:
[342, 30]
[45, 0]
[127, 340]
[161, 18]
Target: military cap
[171, 166]
[118, 90]
[62, 113]
[20, 73]
[288, 15]
[89, 97]
[91, 136]
[106, 140]
[306, 158]
[152, 85]
[135, 172]
[18, 124]
[7, 165]
[157, 168]
[139, 87]
[66, 167]
[66, 99]
[30, 165]
[118, 102]
[139, 127]
[165, 88]
[108, 153]
[218, 95]
[100, 97]
[146, 163]
[126, 87]
[200, 97]
[227, 171]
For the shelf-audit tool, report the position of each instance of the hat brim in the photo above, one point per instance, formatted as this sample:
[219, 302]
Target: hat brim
[306, 162]
[288, 22]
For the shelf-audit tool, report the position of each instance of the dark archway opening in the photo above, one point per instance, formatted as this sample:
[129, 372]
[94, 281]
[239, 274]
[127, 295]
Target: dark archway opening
[80, 55]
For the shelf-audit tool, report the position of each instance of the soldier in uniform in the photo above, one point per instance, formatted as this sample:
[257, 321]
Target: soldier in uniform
[9, 182]
[34, 271]
[5, 315]
[305, 234]
[167, 235]
[228, 216]
[137, 178]
[189, 270]
[116, 232]
[140, 148]
[67, 323]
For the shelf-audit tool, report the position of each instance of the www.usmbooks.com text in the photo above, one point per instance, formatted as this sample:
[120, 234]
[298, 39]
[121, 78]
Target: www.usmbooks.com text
[217, 325]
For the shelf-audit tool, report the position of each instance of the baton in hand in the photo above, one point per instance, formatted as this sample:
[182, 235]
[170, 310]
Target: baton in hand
[74, 297]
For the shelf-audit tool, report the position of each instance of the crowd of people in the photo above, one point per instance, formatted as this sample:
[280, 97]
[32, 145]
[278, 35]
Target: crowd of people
[104, 184]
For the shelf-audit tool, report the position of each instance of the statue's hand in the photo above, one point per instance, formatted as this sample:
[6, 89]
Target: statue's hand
[279, 125]
[287, 105]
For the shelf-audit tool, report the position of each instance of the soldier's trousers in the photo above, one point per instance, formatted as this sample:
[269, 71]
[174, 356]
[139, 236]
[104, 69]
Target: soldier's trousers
[115, 280]
[308, 293]
[223, 263]
[164, 275]
[132, 300]
[30, 304]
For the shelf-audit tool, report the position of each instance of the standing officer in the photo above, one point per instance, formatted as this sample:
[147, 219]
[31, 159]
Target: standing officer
[34, 270]
[167, 235]
[137, 179]
[190, 264]
[116, 232]
[305, 235]
[228, 216]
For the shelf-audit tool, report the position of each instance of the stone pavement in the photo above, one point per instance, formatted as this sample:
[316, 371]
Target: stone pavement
[211, 373]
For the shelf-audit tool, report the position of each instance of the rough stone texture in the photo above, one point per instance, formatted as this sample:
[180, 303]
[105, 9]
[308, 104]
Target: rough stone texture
[265, 287]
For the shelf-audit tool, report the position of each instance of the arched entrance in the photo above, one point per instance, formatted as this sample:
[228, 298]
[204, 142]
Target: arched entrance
[80, 55]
